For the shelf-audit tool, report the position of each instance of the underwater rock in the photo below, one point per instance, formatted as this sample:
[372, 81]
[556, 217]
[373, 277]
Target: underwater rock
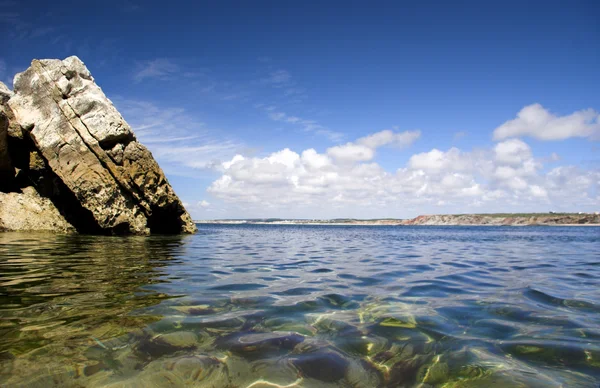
[327, 366]
[202, 309]
[93, 152]
[259, 345]
[184, 371]
[437, 372]
[167, 344]
[180, 339]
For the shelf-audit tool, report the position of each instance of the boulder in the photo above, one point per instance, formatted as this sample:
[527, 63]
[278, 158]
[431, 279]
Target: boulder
[28, 211]
[83, 140]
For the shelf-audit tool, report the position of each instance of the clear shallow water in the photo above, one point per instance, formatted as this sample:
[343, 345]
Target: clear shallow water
[303, 306]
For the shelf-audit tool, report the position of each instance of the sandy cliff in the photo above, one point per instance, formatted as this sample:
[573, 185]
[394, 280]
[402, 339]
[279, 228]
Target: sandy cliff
[508, 219]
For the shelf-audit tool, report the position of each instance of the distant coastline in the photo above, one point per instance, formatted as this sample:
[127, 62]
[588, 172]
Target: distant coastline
[496, 219]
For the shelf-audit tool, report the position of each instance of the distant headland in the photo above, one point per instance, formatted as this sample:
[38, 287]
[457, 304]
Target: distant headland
[491, 219]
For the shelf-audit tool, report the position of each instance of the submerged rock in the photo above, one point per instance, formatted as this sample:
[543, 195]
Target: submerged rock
[108, 177]
[259, 345]
[327, 366]
[167, 344]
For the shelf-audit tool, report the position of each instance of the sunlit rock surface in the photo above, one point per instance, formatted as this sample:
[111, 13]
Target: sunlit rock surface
[6, 170]
[29, 211]
[90, 152]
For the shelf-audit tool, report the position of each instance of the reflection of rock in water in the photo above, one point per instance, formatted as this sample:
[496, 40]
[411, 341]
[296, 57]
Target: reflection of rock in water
[61, 294]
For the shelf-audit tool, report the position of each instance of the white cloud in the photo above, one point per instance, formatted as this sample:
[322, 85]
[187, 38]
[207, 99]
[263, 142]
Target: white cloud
[536, 121]
[344, 181]
[386, 137]
[203, 203]
[439, 161]
[512, 152]
[364, 148]
[351, 152]
[160, 68]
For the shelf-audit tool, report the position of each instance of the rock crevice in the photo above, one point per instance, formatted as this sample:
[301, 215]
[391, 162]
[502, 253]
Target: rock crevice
[86, 153]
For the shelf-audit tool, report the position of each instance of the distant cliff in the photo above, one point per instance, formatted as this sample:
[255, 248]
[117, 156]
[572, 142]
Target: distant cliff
[505, 219]
[455, 219]
[69, 161]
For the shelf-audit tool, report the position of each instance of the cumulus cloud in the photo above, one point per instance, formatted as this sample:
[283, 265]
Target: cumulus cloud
[387, 137]
[506, 176]
[537, 122]
[437, 161]
[512, 152]
[351, 152]
[364, 148]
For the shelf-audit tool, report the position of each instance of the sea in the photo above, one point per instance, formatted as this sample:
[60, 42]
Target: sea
[267, 306]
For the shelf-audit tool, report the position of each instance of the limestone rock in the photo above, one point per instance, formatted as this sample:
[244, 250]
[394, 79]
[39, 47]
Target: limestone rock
[92, 150]
[6, 169]
[28, 211]
[14, 129]
[5, 93]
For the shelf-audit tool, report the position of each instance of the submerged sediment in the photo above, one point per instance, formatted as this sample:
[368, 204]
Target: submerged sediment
[60, 135]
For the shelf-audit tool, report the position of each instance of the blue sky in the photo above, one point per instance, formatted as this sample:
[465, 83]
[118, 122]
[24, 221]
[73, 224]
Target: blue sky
[406, 106]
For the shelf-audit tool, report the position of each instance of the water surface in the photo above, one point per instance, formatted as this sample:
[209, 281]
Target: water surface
[303, 306]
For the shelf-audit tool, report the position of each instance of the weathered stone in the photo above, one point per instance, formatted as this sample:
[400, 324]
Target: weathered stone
[6, 169]
[92, 150]
[28, 211]
[5, 93]
[36, 162]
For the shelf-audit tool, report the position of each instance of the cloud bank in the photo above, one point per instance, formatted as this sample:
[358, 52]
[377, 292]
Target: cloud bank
[537, 122]
[505, 176]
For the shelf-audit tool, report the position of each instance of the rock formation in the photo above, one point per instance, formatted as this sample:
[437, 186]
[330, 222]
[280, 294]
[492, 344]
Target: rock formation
[74, 147]
[29, 211]
[6, 170]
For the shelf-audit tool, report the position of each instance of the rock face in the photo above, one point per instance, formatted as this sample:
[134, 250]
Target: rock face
[6, 169]
[75, 147]
[28, 211]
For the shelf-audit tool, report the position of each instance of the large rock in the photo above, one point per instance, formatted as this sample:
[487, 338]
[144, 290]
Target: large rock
[92, 150]
[28, 211]
[6, 169]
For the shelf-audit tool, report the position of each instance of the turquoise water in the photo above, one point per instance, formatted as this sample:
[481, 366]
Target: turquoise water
[303, 306]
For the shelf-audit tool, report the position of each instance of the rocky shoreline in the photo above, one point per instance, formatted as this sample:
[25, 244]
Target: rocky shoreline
[507, 219]
[548, 219]
[70, 163]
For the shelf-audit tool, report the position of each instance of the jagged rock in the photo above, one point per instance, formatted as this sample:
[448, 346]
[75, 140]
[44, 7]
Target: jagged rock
[90, 148]
[6, 169]
[28, 211]
[14, 129]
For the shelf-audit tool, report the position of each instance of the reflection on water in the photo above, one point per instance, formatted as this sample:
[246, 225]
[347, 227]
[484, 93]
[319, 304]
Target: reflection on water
[303, 306]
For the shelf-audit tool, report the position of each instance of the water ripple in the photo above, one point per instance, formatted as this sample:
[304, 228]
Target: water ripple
[268, 306]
